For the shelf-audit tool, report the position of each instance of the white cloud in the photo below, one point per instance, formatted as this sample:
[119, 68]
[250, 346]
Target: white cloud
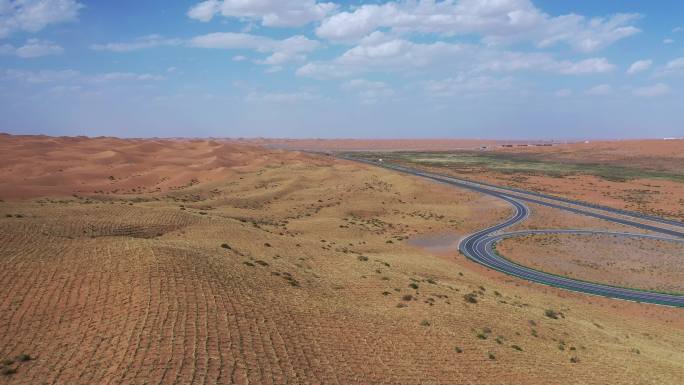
[668, 41]
[34, 15]
[639, 66]
[506, 61]
[273, 69]
[33, 48]
[205, 10]
[143, 42]
[673, 67]
[369, 92]
[278, 58]
[497, 21]
[124, 76]
[376, 52]
[587, 35]
[655, 90]
[467, 86]
[587, 66]
[325, 70]
[602, 89]
[232, 40]
[678, 29]
[71, 76]
[379, 51]
[282, 51]
[271, 13]
[45, 76]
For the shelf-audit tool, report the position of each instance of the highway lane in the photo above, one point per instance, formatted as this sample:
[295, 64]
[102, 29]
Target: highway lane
[484, 247]
[532, 197]
[479, 246]
[584, 204]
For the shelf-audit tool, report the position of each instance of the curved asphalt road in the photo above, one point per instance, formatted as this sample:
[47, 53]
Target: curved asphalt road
[479, 247]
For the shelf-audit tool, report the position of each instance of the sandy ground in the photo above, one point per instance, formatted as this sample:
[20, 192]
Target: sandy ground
[644, 264]
[291, 269]
[655, 197]
[33, 166]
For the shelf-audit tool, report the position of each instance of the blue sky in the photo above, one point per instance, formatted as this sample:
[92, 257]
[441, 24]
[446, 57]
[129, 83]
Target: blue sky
[369, 69]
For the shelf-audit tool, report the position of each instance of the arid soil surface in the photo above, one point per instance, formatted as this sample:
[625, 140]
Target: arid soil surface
[254, 266]
[639, 263]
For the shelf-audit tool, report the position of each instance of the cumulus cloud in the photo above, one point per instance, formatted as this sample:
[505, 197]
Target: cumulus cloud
[34, 15]
[587, 66]
[673, 67]
[587, 35]
[205, 10]
[639, 66]
[282, 51]
[653, 91]
[32, 48]
[379, 51]
[140, 43]
[271, 13]
[497, 21]
[392, 54]
[668, 41]
[600, 90]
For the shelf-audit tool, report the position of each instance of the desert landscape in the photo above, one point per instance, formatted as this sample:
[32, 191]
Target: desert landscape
[131, 261]
[644, 176]
[327, 192]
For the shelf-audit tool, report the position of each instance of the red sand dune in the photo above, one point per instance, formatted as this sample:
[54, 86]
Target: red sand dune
[33, 166]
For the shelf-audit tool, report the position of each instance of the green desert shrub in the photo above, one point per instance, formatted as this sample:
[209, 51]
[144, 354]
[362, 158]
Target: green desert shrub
[551, 313]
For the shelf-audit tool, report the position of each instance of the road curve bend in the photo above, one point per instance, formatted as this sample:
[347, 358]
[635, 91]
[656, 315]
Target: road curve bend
[479, 247]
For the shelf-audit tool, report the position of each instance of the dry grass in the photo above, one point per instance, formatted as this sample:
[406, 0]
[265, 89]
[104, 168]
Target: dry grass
[141, 288]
